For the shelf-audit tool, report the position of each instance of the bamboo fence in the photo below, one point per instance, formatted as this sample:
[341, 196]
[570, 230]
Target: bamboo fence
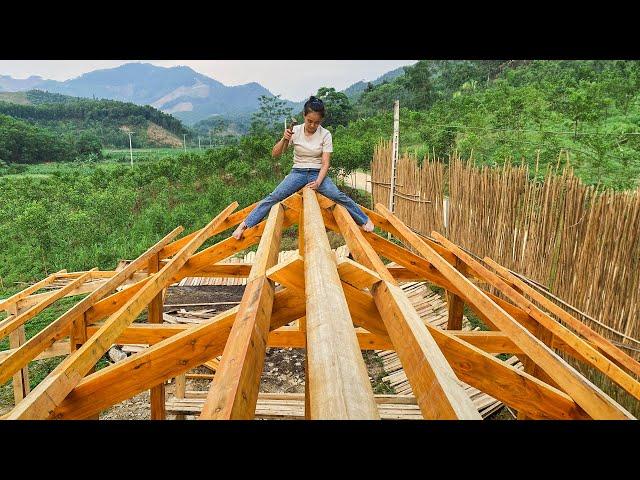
[580, 243]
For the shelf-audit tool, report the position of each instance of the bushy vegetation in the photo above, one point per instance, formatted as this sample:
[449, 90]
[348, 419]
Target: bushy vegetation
[54, 127]
[585, 111]
[22, 142]
[78, 219]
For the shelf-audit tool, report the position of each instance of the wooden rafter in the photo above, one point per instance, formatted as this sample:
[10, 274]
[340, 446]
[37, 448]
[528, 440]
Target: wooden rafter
[41, 402]
[14, 299]
[368, 311]
[60, 327]
[614, 353]
[10, 324]
[168, 358]
[585, 352]
[587, 395]
[483, 371]
[234, 391]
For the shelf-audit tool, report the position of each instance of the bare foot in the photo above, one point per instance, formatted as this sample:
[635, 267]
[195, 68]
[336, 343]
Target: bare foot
[368, 227]
[237, 234]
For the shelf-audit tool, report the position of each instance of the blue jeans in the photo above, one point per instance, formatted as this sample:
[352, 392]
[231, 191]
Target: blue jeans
[297, 179]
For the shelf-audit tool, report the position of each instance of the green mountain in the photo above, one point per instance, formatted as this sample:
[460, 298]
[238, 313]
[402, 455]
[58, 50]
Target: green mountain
[180, 91]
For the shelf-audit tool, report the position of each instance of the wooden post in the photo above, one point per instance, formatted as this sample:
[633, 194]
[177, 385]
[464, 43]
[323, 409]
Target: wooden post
[394, 156]
[456, 310]
[455, 306]
[21, 378]
[77, 337]
[394, 152]
[181, 388]
[157, 393]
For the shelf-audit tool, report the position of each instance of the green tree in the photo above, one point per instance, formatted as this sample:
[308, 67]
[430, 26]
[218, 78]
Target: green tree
[270, 115]
[338, 107]
[417, 80]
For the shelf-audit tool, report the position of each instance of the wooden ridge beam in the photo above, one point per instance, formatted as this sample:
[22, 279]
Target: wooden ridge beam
[55, 350]
[53, 389]
[339, 387]
[438, 391]
[289, 273]
[105, 307]
[402, 274]
[356, 275]
[226, 270]
[167, 359]
[234, 391]
[587, 395]
[87, 287]
[282, 337]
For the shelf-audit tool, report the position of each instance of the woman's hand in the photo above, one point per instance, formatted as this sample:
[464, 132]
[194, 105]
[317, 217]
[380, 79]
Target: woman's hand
[313, 185]
[287, 134]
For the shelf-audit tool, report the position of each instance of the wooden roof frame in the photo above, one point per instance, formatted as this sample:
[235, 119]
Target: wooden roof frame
[349, 305]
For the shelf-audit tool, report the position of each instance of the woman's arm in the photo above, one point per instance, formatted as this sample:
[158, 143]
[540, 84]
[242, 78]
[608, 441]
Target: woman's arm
[326, 161]
[282, 144]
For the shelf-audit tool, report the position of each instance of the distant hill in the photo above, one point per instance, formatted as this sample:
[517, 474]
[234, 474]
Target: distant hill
[9, 84]
[105, 120]
[355, 90]
[180, 91]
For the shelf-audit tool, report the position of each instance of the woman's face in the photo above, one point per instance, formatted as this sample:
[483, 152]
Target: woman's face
[312, 121]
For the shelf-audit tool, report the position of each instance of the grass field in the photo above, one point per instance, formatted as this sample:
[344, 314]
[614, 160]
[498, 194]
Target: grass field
[144, 153]
[111, 159]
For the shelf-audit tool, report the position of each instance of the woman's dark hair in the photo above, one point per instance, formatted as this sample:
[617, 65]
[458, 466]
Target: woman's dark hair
[314, 104]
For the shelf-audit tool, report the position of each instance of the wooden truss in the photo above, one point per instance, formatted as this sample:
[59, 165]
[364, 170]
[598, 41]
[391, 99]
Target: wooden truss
[339, 307]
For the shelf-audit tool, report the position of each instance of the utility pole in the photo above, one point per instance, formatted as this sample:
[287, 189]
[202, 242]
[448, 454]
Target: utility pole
[394, 155]
[199, 143]
[184, 141]
[130, 148]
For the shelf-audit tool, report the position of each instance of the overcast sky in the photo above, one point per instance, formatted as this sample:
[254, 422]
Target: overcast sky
[293, 79]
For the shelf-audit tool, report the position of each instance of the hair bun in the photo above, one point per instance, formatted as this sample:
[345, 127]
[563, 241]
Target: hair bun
[312, 97]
